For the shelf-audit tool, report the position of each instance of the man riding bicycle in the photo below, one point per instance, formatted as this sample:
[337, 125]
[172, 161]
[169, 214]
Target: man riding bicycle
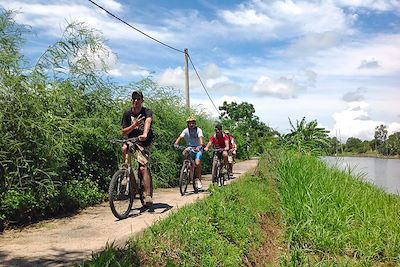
[137, 122]
[220, 141]
[194, 139]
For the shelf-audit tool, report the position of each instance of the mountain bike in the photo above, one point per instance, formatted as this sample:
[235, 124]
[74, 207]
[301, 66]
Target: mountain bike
[127, 182]
[187, 171]
[218, 175]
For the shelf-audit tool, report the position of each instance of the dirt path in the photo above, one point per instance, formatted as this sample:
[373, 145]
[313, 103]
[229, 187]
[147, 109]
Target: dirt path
[70, 240]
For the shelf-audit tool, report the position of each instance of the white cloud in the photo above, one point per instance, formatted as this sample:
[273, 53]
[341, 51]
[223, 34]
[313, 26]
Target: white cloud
[285, 87]
[354, 96]
[354, 122]
[380, 5]
[282, 88]
[347, 59]
[211, 75]
[37, 15]
[310, 43]
[369, 64]
[129, 70]
[208, 107]
[393, 128]
[110, 5]
[246, 17]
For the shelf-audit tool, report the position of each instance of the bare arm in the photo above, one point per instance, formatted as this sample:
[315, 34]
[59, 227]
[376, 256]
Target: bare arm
[178, 140]
[207, 146]
[147, 124]
[130, 128]
[226, 144]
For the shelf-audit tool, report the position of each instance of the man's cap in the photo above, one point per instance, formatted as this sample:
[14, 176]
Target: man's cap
[219, 127]
[136, 94]
[226, 131]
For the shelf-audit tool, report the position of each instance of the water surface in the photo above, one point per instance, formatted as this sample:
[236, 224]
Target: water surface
[384, 173]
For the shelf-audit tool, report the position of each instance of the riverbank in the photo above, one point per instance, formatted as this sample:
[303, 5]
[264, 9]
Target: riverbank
[366, 155]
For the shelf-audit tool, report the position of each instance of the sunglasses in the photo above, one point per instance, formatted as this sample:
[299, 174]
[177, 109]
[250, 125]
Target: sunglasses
[136, 98]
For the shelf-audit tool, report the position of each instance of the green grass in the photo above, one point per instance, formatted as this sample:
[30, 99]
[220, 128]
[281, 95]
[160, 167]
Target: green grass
[218, 231]
[333, 217]
[329, 218]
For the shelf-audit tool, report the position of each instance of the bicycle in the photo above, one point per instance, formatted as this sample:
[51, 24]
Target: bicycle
[187, 171]
[218, 176]
[127, 182]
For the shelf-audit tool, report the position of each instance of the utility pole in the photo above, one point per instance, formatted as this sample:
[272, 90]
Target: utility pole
[186, 79]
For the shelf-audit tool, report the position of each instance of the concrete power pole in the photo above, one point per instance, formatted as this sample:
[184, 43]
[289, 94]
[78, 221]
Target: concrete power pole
[186, 79]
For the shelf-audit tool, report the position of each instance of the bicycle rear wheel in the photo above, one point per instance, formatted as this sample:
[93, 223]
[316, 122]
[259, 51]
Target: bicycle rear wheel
[184, 179]
[214, 172]
[120, 195]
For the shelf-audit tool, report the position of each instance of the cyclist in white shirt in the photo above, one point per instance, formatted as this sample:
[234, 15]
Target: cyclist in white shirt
[194, 138]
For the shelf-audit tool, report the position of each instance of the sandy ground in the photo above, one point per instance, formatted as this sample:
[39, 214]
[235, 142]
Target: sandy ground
[70, 240]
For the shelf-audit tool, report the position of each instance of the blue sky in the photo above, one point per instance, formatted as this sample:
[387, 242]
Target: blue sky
[335, 61]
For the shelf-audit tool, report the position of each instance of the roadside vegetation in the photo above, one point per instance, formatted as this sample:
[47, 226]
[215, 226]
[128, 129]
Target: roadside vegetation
[58, 115]
[293, 211]
[222, 230]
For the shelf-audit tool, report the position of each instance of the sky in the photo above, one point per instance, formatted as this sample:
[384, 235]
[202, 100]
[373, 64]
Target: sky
[334, 61]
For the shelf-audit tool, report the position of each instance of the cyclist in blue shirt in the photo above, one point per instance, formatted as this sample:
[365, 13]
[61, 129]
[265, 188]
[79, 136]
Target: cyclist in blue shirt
[194, 138]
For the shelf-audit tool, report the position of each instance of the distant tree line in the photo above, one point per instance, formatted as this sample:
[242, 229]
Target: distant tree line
[381, 144]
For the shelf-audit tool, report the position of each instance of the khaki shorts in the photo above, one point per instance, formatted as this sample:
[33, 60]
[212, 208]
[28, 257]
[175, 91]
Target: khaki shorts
[143, 154]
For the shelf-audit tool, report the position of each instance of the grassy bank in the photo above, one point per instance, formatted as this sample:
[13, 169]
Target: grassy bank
[221, 230]
[334, 219]
[295, 211]
[368, 155]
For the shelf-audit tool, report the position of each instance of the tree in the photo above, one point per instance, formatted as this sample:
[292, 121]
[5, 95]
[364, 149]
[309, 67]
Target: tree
[250, 133]
[380, 137]
[334, 146]
[353, 144]
[307, 137]
[393, 144]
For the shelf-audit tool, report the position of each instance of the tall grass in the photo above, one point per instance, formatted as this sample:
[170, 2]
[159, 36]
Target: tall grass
[330, 214]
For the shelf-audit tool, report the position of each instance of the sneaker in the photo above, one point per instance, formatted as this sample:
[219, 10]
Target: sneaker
[198, 184]
[148, 201]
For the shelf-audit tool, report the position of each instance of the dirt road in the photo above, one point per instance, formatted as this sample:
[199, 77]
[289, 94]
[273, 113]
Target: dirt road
[70, 240]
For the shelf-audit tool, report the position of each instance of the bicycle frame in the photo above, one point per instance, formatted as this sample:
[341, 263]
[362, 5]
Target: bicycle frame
[188, 165]
[218, 165]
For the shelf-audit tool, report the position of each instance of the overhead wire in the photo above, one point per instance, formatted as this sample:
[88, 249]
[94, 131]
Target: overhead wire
[202, 84]
[136, 29]
[171, 47]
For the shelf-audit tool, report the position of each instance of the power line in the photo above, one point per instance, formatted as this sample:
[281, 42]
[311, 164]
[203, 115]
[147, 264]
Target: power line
[136, 29]
[198, 76]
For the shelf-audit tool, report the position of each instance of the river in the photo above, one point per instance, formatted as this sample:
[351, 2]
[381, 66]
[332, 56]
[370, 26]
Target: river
[384, 173]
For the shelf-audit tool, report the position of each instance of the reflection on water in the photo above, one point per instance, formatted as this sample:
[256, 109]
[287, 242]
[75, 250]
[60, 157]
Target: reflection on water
[384, 173]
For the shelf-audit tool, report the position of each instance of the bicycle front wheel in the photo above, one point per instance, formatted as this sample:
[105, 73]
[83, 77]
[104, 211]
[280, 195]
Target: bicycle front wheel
[120, 195]
[221, 176]
[184, 179]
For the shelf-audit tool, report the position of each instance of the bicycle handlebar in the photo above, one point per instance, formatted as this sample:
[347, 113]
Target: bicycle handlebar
[217, 149]
[124, 141]
[178, 147]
